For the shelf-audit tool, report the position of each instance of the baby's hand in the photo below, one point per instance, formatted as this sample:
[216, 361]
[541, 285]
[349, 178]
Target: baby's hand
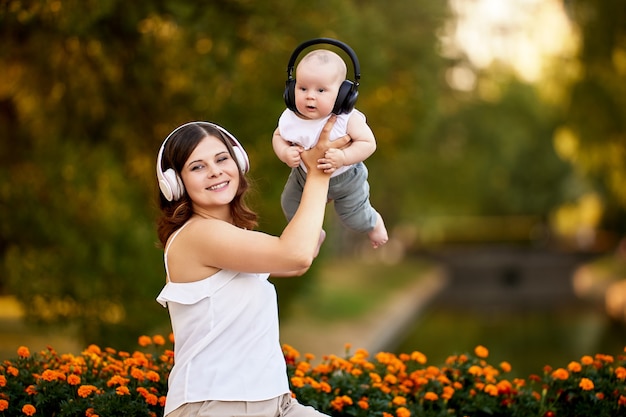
[292, 156]
[332, 161]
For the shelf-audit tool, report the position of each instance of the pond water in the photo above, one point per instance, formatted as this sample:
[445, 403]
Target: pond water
[517, 302]
[527, 340]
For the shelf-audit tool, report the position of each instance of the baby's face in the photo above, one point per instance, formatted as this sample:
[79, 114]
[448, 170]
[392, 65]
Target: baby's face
[316, 89]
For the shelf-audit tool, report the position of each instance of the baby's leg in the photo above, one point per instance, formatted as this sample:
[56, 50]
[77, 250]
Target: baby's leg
[378, 235]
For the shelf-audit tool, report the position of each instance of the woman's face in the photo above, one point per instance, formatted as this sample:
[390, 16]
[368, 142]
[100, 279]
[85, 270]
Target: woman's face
[211, 176]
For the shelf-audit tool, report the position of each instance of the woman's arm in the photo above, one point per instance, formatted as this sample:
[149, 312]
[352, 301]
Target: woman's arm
[213, 244]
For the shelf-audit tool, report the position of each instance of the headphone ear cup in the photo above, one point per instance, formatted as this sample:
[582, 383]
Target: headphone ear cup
[171, 185]
[290, 94]
[242, 159]
[346, 98]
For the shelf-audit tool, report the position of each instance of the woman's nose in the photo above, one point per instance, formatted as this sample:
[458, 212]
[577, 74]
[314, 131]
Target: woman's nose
[214, 170]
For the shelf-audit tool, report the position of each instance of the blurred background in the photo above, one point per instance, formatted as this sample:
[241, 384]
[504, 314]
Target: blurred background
[501, 162]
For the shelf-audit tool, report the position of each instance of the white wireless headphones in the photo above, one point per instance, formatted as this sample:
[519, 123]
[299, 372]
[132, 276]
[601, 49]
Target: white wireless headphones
[171, 184]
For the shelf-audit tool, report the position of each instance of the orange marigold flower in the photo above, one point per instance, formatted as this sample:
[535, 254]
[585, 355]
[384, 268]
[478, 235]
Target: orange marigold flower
[153, 376]
[481, 351]
[297, 381]
[491, 390]
[85, 391]
[73, 379]
[403, 412]
[586, 360]
[23, 352]
[4, 404]
[13, 371]
[158, 340]
[622, 400]
[448, 392]
[418, 357]
[171, 337]
[475, 370]
[144, 341]
[117, 380]
[586, 384]
[620, 372]
[31, 390]
[95, 349]
[387, 414]
[89, 412]
[505, 366]
[29, 410]
[3, 380]
[431, 396]
[137, 374]
[363, 403]
[600, 395]
[560, 373]
[390, 379]
[574, 366]
[325, 387]
[122, 390]
[398, 400]
[152, 399]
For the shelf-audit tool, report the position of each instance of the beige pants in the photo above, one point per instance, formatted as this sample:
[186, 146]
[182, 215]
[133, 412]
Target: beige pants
[283, 406]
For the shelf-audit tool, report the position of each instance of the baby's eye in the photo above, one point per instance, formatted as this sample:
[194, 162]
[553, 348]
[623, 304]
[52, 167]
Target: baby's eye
[321, 90]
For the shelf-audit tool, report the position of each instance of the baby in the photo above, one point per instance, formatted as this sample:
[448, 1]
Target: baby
[319, 92]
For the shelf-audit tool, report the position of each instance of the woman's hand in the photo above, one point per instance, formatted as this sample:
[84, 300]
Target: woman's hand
[312, 157]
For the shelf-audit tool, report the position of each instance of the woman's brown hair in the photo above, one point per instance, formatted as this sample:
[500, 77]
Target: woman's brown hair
[177, 150]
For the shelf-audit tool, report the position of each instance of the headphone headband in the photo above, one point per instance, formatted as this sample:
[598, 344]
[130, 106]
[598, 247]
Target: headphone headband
[330, 41]
[170, 183]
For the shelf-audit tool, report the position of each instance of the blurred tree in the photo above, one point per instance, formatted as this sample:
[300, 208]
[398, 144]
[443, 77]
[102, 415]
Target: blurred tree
[593, 134]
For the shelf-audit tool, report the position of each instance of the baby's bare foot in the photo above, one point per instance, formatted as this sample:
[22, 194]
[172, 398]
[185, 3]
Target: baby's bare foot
[378, 235]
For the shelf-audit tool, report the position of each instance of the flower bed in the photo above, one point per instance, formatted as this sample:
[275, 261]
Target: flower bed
[106, 382]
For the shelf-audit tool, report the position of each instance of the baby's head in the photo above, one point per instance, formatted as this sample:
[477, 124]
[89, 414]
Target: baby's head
[319, 76]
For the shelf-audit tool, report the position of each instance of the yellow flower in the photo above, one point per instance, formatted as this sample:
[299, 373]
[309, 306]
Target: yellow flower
[23, 352]
[29, 410]
[586, 384]
[481, 351]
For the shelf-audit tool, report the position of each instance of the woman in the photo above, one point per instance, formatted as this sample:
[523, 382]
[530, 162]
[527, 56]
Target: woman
[224, 314]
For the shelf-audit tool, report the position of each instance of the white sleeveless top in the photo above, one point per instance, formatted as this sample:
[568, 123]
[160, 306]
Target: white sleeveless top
[306, 132]
[226, 339]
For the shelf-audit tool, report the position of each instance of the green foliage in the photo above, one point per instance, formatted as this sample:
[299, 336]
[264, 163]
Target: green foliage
[89, 89]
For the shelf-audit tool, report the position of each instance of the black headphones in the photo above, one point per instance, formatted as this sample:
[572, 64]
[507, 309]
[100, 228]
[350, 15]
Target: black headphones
[348, 92]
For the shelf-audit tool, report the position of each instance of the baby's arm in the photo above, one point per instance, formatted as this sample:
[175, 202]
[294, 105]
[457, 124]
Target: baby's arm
[286, 151]
[362, 146]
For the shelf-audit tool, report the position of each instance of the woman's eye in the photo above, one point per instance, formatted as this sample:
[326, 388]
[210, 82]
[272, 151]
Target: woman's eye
[196, 167]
